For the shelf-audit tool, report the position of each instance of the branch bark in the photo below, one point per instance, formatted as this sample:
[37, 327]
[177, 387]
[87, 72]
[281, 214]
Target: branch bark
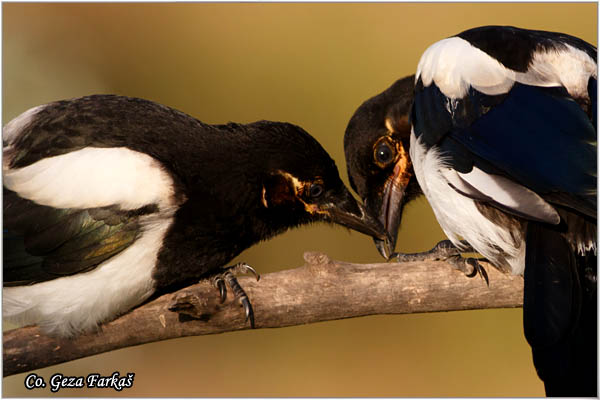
[320, 290]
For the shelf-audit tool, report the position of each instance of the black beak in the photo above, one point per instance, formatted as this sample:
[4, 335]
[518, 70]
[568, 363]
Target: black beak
[390, 214]
[346, 211]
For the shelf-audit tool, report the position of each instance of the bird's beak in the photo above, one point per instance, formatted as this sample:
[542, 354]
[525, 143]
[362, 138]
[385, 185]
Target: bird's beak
[390, 212]
[346, 211]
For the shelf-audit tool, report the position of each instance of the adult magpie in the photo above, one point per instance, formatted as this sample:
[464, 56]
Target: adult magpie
[498, 130]
[109, 199]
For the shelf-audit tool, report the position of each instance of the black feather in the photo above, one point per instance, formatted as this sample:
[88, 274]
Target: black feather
[41, 243]
[559, 312]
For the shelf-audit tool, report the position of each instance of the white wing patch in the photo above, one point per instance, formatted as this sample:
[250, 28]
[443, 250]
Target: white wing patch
[504, 192]
[77, 303]
[455, 65]
[93, 177]
[571, 68]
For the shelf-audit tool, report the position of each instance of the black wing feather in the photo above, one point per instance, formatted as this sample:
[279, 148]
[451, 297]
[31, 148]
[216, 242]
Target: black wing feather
[529, 135]
[42, 243]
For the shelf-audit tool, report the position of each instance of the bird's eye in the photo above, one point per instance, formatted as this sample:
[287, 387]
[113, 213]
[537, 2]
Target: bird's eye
[315, 190]
[384, 153]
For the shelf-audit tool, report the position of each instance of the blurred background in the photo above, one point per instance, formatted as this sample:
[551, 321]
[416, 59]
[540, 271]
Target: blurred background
[312, 65]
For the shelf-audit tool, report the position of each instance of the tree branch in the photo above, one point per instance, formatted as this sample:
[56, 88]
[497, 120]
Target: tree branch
[321, 290]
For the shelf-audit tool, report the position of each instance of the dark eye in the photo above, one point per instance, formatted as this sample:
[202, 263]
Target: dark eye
[384, 154]
[315, 190]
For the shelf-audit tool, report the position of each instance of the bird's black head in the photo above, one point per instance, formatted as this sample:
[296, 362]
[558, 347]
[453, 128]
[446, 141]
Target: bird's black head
[376, 145]
[299, 182]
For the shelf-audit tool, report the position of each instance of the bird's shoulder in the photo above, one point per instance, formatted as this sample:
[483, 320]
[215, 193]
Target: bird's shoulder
[491, 59]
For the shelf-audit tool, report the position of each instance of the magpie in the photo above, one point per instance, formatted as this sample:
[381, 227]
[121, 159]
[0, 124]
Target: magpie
[109, 200]
[498, 130]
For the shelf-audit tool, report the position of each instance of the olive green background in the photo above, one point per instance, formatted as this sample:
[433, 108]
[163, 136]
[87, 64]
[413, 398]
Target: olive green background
[312, 65]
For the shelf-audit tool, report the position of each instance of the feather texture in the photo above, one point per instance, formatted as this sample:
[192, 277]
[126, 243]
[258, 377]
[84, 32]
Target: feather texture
[553, 63]
[92, 178]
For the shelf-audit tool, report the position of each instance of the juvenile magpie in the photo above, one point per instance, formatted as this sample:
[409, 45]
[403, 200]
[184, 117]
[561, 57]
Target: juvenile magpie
[502, 141]
[109, 199]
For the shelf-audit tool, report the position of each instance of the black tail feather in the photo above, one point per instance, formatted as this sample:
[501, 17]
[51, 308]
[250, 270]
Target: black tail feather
[560, 313]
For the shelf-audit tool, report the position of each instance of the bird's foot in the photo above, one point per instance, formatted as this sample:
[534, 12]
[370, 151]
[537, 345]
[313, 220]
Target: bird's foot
[440, 251]
[469, 266]
[227, 278]
[447, 251]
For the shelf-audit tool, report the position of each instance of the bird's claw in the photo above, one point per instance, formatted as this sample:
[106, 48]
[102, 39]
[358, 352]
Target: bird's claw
[227, 278]
[447, 251]
[469, 266]
[220, 284]
[248, 310]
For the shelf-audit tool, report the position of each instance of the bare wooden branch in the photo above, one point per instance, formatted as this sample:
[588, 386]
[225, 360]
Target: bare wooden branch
[321, 290]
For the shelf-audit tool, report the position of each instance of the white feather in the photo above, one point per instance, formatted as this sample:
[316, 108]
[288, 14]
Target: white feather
[77, 303]
[459, 216]
[570, 68]
[455, 65]
[586, 246]
[93, 177]
[504, 192]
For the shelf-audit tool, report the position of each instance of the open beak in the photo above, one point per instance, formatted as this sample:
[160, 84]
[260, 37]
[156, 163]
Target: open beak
[390, 212]
[348, 212]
